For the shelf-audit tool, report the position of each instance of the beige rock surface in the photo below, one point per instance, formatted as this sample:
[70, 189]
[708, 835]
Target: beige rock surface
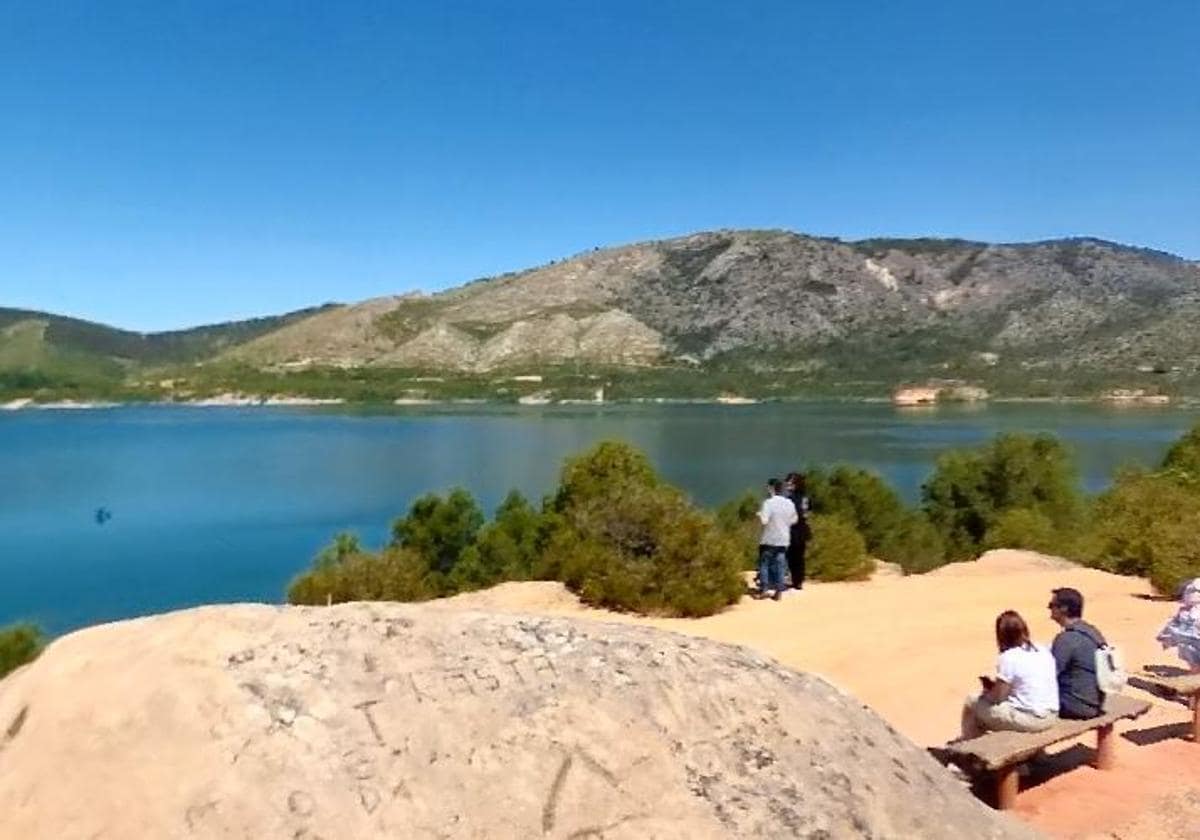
[911, 647]
[364, 721]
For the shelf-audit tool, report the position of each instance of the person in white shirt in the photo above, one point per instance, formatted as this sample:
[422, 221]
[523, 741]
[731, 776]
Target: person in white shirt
[777, 516]
[1023, 696]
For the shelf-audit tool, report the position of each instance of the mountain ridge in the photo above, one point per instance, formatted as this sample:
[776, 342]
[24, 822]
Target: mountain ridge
[889, 308]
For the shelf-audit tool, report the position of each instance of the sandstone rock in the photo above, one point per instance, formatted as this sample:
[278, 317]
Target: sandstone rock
[372, 720]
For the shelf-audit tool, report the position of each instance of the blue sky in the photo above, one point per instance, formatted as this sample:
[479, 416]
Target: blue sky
[164, 164]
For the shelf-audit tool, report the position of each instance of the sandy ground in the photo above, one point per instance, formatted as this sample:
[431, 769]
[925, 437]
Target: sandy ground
[912, 648]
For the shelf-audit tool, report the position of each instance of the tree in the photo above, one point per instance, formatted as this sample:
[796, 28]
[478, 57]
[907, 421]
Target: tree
[605, 469]
[438, 529]
[507, 548]
[860, 497]
[970, 489]
[1148, 524]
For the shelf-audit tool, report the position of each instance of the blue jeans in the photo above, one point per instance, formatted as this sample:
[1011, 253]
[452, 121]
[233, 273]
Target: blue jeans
[772, 560]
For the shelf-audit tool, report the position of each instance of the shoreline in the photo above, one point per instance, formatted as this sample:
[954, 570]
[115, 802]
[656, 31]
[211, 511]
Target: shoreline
[232, 400]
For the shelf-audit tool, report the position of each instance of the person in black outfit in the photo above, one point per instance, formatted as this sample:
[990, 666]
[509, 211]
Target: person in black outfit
[1074, 649]
[800, 532]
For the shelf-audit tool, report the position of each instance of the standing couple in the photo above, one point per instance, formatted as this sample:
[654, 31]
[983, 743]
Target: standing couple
[785, 532]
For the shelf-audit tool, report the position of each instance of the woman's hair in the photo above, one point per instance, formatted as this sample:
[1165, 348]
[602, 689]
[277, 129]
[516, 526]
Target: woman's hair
[1011, 631]
[797, 481]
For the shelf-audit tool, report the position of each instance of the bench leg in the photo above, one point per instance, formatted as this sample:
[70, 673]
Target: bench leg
[1105, 756]
[1196, 718]
[1008, 782]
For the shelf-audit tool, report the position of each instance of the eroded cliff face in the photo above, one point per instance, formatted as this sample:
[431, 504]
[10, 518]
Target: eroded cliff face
[1081, 302]
[374, 720]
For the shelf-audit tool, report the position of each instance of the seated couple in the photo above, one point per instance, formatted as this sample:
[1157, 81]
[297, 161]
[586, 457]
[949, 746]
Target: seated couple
[1034, 686]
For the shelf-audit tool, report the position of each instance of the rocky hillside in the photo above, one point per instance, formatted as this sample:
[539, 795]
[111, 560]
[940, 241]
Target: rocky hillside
[879, 309]
[775, 297]
[385, 720]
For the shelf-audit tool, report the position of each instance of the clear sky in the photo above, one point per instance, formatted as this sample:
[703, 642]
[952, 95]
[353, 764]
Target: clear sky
[167, 163]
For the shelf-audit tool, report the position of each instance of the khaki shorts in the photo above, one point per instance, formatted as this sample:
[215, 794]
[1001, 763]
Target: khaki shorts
[1007, 717]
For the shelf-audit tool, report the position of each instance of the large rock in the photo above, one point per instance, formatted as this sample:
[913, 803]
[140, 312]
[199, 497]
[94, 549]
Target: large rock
[365, 721]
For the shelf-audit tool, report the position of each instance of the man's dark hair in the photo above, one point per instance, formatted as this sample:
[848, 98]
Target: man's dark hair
[776, 485]
[1070, 601]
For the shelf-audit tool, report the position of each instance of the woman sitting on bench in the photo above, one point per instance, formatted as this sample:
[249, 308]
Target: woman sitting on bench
[1023, 696]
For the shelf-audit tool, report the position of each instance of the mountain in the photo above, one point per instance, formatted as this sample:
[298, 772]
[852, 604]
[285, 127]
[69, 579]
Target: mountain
[795, 309]
[39, 349]
[772, 297]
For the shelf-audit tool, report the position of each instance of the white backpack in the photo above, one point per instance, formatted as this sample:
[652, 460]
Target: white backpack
[1111, 675]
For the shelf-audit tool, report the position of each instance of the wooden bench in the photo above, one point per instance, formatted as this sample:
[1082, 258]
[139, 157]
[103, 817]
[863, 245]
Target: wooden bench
[1182, 685]
[1002, 753]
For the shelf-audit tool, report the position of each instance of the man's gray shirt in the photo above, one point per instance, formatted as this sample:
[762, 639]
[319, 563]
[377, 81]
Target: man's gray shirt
[1074, 650]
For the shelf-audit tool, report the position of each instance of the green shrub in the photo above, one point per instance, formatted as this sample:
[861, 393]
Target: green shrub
[858, 496]
[345, 544]
[1024, 528]
[1148, 524]
[395, 574]
[646, 549]
[738, 518]
[914, 544]
[19, 645]
[1184, 456]
[1176, 558]
[969, 489]
[602, 471]
[438, 529]
[508, 547]
[837, 550]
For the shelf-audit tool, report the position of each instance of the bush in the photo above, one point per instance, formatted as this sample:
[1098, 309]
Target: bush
[1148, 524]
[19, 645]
[837, 551]
[858, 496]
[395, 574]
[970, 489]
[914, 544]
[438, 529]
[602, 471]
[640, 545]
[507, 548]
[1184, 456]
[1176, 556]
[1024, 528]
[738, 518]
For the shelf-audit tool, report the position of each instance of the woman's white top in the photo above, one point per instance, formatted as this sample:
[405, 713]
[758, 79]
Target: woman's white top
[1033, 678]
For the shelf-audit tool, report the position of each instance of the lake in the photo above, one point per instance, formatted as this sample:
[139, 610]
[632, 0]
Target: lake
[227, 504]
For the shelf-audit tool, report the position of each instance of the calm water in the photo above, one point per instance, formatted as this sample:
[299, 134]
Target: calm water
[227, 504]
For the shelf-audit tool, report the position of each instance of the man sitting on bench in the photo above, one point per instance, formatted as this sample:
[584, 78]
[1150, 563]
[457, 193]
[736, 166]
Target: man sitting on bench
[1074, 650]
